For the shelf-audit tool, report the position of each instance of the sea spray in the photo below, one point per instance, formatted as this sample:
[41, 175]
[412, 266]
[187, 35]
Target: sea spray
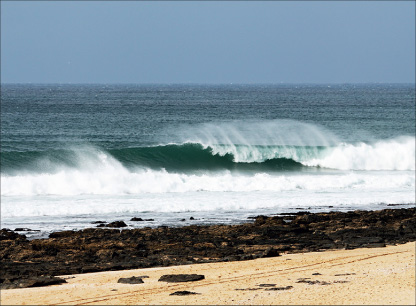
[101, 173]
[253, 132]
[392, 154]
[217, 153]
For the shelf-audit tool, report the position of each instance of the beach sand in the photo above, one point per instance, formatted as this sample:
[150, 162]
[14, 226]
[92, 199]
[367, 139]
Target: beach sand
[366, 276]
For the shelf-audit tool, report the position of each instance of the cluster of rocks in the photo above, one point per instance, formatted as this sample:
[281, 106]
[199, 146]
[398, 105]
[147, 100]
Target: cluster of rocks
[104, 249]
[169, 278]
[117, 224]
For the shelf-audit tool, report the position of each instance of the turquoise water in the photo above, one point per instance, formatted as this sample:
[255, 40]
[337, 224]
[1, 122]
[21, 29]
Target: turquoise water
[73, 153]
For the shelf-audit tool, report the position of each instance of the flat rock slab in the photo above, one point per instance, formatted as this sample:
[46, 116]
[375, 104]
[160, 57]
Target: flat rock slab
[183, 293]
[131, 280]
[32, 282]
[179, 278]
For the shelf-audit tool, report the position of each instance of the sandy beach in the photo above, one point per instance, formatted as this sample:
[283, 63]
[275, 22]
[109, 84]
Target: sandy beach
[365, 276]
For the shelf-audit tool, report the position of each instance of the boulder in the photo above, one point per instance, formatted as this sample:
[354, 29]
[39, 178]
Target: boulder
[179, 278]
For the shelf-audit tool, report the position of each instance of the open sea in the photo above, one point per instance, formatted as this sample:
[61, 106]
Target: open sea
[73, 154]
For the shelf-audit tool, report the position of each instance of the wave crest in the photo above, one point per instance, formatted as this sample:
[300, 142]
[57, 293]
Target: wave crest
[236, 168]
[394, 154]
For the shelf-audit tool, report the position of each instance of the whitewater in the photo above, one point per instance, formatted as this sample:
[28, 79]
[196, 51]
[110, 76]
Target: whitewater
[241, 178]
[218, 171]
[94, 171]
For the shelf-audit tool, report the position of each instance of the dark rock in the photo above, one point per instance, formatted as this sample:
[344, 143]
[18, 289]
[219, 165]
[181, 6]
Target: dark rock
[178, 278]
[98, 222]
[191, 218]
[7, 234]
[32, 282]
[116, 224]
[375, 245]
[267, 285]
[24, 229]
[106, 249]
[324, 283]
[183, 293]
[131, 280]
[317, 273]
[280, 288]
[271, 252]
[260, 220]
[61, 234]
[312, 282]
[136, 219]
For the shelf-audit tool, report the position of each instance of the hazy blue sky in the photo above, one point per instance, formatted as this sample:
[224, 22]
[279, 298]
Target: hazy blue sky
[207, 42]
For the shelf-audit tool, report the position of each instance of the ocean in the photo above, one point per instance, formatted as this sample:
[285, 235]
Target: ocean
[74, 154]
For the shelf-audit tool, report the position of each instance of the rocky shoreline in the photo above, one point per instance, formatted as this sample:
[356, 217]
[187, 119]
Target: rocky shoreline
[26, 263]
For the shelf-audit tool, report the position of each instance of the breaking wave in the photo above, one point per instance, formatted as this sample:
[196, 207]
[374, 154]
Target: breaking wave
[198, 167]
[395, 154]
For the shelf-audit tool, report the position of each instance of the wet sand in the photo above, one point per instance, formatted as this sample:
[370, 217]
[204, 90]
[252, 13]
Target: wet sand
[364, 276]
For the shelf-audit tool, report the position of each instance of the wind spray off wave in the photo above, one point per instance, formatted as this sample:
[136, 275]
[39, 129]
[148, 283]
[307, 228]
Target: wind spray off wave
[195, 167]
[100, 174]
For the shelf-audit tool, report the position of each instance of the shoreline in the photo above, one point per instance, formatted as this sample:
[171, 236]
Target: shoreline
[97, 249]
[139, 220]
[363, 276]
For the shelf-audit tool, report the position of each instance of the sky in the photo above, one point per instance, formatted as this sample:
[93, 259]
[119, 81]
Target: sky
[207, 42]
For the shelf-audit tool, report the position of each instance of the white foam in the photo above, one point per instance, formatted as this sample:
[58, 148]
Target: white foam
[254, 141]
[117, 180]
[302, 142]
[394, 154]
[294, 192]
[99, 173]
